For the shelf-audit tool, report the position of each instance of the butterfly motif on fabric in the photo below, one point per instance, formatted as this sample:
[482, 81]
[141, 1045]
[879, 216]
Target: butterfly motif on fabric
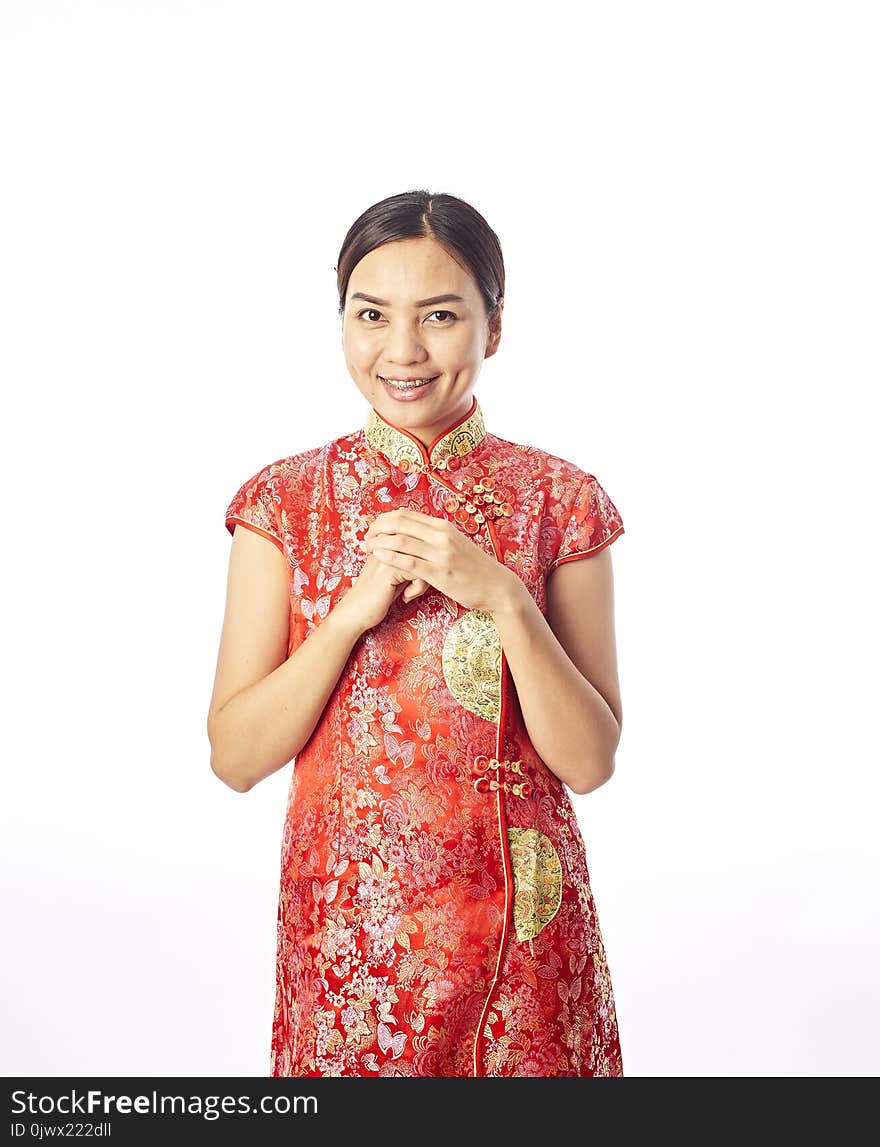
[338, 867]
[326, 893]
[388, 1042]
[569, 992]
[300, 580]
[389, 723]
[416, 1021]
[383, 1012]
[423, 728]
[320, 605]
[406, 750]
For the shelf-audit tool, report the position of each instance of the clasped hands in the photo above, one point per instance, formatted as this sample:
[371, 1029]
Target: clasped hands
[437, 552]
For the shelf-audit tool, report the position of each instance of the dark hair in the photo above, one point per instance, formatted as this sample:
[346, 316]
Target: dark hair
[456, 225]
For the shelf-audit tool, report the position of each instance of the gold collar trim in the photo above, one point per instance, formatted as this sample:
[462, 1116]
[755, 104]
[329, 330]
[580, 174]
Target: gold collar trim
[408, 453]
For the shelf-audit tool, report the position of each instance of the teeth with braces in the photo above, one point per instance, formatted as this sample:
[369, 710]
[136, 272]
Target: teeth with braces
[407, 385]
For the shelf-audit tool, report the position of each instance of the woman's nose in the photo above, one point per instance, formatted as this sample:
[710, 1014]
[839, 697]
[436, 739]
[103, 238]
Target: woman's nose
[403, 344]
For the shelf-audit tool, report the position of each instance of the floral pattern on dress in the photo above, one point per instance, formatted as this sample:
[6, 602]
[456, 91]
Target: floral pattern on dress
[435, 914]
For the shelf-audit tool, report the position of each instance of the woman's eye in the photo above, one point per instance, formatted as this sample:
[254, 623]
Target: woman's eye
[373, 311]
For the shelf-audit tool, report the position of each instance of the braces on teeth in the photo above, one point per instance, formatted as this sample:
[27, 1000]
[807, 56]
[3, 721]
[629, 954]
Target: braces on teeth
[408, 385]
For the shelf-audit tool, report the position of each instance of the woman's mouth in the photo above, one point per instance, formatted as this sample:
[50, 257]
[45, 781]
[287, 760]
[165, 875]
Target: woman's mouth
[406, 387]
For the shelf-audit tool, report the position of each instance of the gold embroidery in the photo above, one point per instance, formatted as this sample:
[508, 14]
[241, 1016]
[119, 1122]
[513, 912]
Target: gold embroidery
[393, 443]
[537, 881]
[471, 662]
[398, 445]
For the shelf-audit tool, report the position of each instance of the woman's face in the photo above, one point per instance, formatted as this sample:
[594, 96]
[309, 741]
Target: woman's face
[400, 323]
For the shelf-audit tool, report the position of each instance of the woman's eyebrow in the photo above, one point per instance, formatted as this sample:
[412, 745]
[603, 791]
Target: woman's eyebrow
[420, 303]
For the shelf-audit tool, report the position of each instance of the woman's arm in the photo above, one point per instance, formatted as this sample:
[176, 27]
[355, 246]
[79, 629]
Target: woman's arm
[565, 668]
[265, 705]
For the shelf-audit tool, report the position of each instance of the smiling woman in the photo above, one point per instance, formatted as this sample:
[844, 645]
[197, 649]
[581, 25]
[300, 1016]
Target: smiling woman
[409, 619]
[412, 362]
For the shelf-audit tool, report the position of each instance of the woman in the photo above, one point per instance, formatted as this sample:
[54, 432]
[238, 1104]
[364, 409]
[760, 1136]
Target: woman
[407, 617]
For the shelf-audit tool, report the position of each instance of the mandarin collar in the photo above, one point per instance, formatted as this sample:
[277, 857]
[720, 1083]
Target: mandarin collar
[406, 452]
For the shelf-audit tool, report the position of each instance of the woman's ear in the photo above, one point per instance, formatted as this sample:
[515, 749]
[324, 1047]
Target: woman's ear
[494, 329]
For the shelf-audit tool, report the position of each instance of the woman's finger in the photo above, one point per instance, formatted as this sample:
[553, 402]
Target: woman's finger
[415, 589]
[398, 543]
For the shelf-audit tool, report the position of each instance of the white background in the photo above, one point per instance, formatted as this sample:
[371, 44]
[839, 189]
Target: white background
[686, 195]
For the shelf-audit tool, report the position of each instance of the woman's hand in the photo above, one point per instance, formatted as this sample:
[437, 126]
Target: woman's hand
[419, 546]
[373, 591]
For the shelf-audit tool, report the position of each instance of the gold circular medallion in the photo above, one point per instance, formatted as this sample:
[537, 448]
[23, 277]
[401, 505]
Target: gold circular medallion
[471, 663]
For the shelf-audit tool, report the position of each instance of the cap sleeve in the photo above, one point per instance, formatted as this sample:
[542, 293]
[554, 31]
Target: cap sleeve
[592, 524]
[256, 505]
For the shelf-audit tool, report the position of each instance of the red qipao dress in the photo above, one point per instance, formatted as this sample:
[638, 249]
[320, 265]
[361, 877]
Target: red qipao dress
[435, 915]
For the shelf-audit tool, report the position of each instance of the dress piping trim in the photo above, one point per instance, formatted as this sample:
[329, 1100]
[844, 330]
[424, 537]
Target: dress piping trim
[256, 530]
[502, 837]
[498, 550]
[585, 553]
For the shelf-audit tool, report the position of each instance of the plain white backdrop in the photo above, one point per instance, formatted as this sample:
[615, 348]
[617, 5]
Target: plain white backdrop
[686, 196]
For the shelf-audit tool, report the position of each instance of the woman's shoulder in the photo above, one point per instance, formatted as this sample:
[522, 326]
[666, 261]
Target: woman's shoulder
[579, 518]
[287, 477]
[302, 462]
[554, 471]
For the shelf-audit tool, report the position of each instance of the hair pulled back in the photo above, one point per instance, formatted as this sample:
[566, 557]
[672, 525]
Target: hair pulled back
[452, 222]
